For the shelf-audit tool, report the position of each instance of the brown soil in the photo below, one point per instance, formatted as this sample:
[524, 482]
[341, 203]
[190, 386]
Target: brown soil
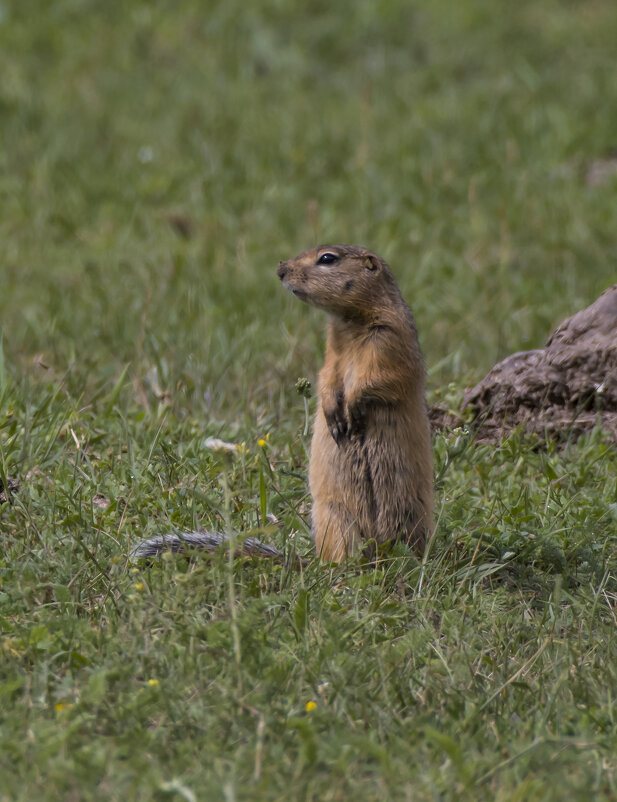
[563, 389]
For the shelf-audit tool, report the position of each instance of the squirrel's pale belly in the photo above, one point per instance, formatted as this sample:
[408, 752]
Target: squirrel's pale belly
[370, 487]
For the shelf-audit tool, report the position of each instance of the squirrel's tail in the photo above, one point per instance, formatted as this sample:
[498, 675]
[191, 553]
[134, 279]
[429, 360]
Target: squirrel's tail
[204, 541]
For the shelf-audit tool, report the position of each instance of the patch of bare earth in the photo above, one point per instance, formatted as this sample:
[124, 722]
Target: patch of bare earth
[563, 389]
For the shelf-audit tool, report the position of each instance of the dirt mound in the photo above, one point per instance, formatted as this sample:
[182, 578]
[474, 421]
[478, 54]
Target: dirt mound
[565, 388]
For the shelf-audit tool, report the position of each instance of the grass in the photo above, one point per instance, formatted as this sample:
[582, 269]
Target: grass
[158, 160]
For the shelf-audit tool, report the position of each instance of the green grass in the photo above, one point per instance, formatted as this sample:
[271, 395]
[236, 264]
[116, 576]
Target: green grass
[453, 139]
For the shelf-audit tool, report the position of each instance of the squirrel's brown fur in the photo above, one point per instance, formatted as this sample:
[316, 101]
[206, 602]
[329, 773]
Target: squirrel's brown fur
[370, 474]
[371, 470]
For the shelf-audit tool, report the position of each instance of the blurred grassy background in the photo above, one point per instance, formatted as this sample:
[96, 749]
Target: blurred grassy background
[160, 158]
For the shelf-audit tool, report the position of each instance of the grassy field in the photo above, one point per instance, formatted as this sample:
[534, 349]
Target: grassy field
[158, 159]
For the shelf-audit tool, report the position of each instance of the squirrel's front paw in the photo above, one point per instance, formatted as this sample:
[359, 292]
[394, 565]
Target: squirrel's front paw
[336, 420]
[356, 415]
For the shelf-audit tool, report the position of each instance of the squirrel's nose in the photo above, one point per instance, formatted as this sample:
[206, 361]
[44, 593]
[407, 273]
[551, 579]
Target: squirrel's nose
[282, 270]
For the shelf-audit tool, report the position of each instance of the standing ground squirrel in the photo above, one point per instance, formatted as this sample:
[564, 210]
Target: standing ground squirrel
[371, 467]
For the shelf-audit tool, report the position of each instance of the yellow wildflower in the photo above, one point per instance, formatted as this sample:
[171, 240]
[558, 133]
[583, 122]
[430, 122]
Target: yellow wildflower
[310, 706]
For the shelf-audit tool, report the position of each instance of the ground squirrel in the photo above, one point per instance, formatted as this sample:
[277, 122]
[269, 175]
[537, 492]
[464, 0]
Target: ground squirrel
[371, 469]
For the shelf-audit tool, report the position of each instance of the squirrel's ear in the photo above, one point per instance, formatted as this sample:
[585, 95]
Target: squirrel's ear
[372, 263]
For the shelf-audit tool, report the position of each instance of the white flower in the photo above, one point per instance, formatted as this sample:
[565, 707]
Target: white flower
[214, 444]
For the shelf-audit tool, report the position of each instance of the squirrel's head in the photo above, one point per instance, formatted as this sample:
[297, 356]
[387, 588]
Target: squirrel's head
[345, 280]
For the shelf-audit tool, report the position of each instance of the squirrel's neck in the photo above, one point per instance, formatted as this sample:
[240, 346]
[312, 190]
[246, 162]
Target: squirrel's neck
[386, 316]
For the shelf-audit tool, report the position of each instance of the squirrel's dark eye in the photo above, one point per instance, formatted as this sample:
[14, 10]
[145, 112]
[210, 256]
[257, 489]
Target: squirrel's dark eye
[327, 259]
